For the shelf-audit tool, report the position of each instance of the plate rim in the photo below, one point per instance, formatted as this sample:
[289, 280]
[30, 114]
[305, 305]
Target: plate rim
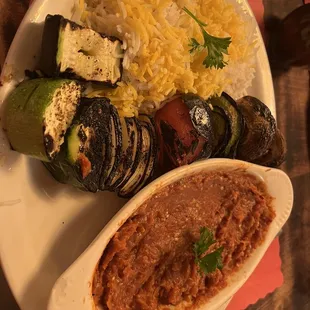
[31, 16]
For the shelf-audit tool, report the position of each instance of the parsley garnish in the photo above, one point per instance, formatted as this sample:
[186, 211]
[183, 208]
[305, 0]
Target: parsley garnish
[212, 261]
[216, 46]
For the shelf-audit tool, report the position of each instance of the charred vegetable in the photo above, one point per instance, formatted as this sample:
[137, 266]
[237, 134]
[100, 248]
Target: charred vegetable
[229, 108]
[142, 159]
[201, 117]
[38, 115]
[83, 157]
[275, 155]
[134, 152]
[179, 126]
[86, 141]
[153, 152]
[74, 51]
[117, 143]
[260, 128]
[147, 162]
[113, 149]
[221, 130]
[126, 156]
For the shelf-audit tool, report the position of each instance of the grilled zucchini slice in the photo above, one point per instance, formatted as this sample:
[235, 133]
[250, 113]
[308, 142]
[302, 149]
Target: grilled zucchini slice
[73, 51]
[38, 114]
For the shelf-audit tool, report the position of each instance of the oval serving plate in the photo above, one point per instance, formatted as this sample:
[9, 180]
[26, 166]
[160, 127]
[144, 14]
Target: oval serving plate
[73, 290]
[48, 224]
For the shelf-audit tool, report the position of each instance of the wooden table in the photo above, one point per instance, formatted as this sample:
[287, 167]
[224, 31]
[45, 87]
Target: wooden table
[293, 112]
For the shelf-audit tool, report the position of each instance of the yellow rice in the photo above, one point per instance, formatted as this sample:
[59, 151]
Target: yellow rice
[157, 63]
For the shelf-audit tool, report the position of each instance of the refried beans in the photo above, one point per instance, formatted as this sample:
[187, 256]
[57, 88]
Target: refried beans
[150, 263]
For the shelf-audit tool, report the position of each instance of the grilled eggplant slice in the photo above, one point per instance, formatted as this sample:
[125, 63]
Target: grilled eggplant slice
[221, 130]
[126, 153]
[115, 149]
[107, 153]
[38, 114]
[127, 189]
[276, 153]
[134, 150]
[73, 51]
[86, 141]
[229, 106]
[260, 128]
[201, 116]
[153, 151]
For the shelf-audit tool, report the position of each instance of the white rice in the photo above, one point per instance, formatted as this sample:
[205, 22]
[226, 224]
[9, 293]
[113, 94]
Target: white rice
[129, 21]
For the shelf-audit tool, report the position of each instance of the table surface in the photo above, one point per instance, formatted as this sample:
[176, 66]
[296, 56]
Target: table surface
[293, 113]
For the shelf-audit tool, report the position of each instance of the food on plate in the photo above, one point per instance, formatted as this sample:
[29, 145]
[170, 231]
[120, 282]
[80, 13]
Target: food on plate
[71, 50]
[276, 153]
[229, 108]
[103, 151]
[145, 103]
[38, 115]
[190, 128]
[111, 147]
[82, 155]
[260, 128]
[157, 60]
[153, 156]
[106, 151]
[133, 157]
[182, 245]
[145, 161]
[185, 130]
[131, 133]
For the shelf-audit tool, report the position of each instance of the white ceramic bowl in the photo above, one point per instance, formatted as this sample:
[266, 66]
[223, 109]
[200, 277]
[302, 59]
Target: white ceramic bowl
[73, 289]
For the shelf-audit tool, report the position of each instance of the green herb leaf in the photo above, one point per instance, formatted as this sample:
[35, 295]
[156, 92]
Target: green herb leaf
[212, 261]
[216, 46]
[199, 22]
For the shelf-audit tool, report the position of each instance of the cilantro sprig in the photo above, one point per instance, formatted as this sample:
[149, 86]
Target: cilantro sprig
[212, 261]
[216, 47]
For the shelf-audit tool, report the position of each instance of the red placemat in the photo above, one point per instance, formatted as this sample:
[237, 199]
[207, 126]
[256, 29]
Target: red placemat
[265, 279]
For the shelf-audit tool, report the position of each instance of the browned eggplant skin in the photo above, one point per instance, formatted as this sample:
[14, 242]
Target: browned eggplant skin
[241, 126]
[255, 140]
[259, 129]
[276, 154]
[201, 117]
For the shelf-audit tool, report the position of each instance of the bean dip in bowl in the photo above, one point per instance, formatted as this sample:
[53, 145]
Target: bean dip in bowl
[189, 240]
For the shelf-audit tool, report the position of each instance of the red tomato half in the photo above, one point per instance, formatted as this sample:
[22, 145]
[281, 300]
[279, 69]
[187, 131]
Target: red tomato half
[178, 138]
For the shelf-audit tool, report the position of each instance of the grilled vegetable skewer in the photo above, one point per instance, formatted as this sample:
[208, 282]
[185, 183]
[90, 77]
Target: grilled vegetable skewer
[189, 128]
[99, 150]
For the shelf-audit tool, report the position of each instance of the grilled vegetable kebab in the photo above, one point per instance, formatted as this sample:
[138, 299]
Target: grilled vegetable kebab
[86, 143]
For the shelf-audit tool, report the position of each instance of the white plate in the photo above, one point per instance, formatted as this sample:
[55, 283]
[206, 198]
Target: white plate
[73, 290]
[45, 226]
